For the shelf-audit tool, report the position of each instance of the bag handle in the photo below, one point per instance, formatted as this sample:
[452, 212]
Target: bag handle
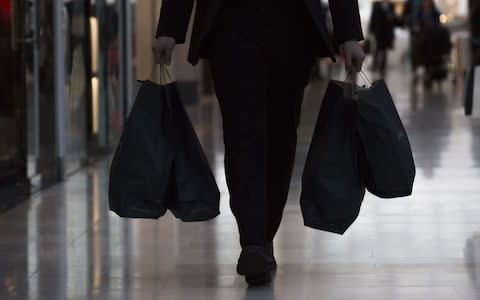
[365, 78]
[351, 82]
[165, 76]
[351, 78]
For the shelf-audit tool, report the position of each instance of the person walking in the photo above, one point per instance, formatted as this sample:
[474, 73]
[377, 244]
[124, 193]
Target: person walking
[382, 25]
[260, 54]
[474, 24]
[417, 15]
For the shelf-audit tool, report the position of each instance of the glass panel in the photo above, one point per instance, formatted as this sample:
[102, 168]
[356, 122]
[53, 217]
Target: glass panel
[132, 35]
[114, 98]
[77, 80]
[47, 164]
[107, 104]
[32, 85]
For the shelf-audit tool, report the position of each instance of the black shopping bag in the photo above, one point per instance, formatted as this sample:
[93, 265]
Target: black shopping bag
[387, 165]
[332, 190]
[194, 191]
[159, 163]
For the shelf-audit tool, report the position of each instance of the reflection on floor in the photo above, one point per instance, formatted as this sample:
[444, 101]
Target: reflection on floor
[65, 244]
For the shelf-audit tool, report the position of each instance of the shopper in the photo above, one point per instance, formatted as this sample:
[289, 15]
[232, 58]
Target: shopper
[260, 54]
[474, 22]
[382, 27]
[418, 15]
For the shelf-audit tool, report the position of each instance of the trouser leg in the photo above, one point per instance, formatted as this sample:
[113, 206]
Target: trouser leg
[285, 95]
[239, 74]
[414, 52]
[282, 141]
[260, 99]
[376, 55]
[382, 60]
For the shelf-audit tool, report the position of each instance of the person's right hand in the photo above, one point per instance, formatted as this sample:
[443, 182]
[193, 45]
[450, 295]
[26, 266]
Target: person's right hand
[163, 49]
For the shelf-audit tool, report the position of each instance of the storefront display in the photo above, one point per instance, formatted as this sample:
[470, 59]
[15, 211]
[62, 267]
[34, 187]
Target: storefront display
[27, 123]
[66, 86]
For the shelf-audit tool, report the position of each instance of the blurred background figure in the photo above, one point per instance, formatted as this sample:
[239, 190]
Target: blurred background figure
[410, 20]
[381, 27]
[428, 15]
[474, 12]
[434, 44]
[430, 43]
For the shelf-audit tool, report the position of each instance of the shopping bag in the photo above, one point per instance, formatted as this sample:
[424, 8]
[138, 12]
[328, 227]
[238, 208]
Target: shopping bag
[142, 162]
[472, 92]
[159, 163]
[386, 162]
[332, 190]
[194, 191]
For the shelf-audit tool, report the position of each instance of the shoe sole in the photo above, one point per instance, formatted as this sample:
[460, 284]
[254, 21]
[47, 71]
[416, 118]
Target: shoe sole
[252, 263]
[260, 279]
[272, 266]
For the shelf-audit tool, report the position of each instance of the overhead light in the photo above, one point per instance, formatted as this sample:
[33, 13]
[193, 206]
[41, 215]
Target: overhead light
[443, 18]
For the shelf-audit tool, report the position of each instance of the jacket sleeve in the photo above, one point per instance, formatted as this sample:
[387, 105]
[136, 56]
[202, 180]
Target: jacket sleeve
[174, 19]
[346, 20]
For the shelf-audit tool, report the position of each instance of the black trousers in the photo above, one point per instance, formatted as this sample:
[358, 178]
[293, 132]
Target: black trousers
[260, 91]
[380, 59]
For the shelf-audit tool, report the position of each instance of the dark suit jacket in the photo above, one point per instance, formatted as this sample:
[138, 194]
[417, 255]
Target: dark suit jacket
[175, 17]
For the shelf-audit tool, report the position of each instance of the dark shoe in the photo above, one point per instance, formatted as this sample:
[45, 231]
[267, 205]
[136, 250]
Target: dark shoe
[254, 265]
[260, 279]
[272, 263]
[252, 261]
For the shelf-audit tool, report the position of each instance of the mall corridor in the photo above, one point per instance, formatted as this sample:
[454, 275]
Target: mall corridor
[63, 243]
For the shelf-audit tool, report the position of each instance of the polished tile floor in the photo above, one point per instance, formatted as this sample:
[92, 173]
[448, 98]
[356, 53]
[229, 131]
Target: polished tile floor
[64, 243]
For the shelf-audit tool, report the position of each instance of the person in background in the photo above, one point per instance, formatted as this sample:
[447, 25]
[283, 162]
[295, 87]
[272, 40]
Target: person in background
[261, 54]
[474, 20]
[409, 20]
[417, 15]
[382, 25]
[428, 15]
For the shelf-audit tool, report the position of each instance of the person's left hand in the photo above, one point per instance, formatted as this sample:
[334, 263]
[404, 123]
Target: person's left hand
[354, 56]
